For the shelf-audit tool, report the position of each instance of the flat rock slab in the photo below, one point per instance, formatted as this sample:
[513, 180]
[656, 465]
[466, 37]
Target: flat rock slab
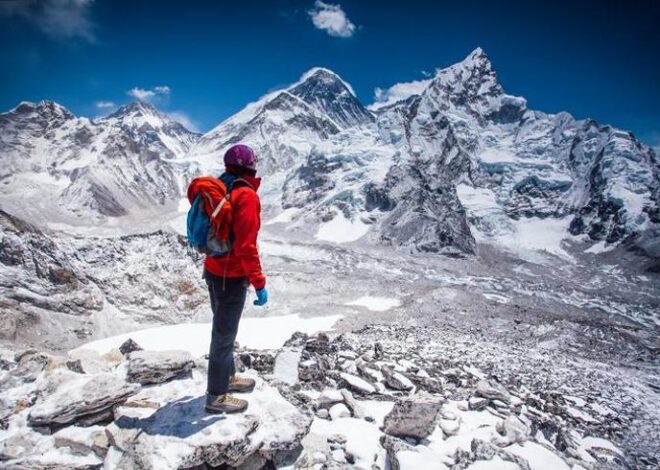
[414, 417]
[155, 367]
[180, 434]
[82, 399]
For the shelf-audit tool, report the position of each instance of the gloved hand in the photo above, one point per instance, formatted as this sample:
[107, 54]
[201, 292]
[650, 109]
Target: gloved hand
[262, 297]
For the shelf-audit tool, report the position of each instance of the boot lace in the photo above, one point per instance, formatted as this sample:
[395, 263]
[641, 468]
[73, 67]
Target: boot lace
[232, 401]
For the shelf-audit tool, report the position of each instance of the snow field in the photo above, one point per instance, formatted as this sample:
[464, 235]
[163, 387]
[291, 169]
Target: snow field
[255, 333]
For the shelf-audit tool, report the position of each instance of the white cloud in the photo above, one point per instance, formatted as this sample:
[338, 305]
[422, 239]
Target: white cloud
[184, 119]
[143, 94]
[398, 92]
[62, 19]
[332, 19]
[105, 104]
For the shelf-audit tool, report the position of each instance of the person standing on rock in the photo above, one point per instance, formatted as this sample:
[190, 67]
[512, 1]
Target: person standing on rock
[228, 278]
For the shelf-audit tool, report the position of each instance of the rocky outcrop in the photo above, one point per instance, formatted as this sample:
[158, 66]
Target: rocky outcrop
[179, 434]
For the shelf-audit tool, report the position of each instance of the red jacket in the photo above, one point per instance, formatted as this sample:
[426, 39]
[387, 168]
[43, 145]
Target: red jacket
[243, 259]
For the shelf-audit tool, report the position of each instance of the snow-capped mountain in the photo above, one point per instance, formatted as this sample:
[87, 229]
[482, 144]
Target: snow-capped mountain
[285, 125]
[463, 143]
[61, 168]
[459, 162]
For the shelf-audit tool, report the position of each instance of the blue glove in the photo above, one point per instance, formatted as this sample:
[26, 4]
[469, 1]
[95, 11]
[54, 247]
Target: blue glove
[262, 297]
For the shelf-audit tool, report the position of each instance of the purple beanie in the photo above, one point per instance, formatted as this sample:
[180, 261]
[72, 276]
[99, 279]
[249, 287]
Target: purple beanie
[241, 155]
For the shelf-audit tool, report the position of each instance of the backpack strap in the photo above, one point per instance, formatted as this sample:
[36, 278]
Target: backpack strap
[230, 182]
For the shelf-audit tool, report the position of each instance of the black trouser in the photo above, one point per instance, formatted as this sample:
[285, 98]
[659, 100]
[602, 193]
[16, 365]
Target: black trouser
[227, 301]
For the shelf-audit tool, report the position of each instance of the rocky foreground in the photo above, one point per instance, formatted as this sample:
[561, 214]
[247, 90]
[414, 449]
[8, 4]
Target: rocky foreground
[379, 398]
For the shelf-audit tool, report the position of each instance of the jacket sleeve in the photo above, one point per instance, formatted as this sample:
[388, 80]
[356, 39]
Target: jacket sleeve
[247, 221]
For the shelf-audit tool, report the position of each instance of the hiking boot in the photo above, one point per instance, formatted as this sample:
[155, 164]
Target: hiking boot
[240, 384]
[225, 404]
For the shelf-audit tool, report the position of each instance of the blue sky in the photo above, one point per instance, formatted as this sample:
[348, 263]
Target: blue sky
[203, 61]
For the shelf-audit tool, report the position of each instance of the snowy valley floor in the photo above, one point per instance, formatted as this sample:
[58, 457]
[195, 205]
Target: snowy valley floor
[580, 334]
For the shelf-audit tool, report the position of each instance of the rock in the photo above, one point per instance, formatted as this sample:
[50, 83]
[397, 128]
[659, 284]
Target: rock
[310, 370]
[366, 370]
[154, 367]
[396, 380]
[339, 411]
[129, 346]
[482, 450]
[492, 391]
[181, 434]
[393, 446]
[357, 384]
[83, 441]
[356, 408]
[413, 416]
[328, 398]
[477, 403]
[86, 399]
[322, 413]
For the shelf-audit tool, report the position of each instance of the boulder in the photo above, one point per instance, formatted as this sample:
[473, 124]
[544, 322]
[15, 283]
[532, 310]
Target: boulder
[414, 416]
[477, 403]
[396, 380]
[154, 367]
[129, 346]
[328, 398]
[83, 399]
[357, 410]
[356, 384]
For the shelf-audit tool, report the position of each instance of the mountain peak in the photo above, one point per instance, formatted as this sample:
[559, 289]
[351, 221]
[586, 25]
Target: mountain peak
[46, 108]
[327, 92]
[476, 65]
[135, 108]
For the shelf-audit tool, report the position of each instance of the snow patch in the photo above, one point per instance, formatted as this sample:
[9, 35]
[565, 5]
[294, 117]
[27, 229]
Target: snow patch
[257, 333]
[341, 230]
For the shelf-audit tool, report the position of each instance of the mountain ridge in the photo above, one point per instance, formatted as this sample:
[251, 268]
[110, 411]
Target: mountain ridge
[527, 164]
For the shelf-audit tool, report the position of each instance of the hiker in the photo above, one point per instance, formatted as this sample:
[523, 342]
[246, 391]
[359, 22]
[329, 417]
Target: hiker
[228, 276]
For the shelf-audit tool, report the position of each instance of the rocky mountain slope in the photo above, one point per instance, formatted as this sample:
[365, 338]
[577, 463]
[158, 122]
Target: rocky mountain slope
[459, 163]
[374, 399]
[57, 290]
